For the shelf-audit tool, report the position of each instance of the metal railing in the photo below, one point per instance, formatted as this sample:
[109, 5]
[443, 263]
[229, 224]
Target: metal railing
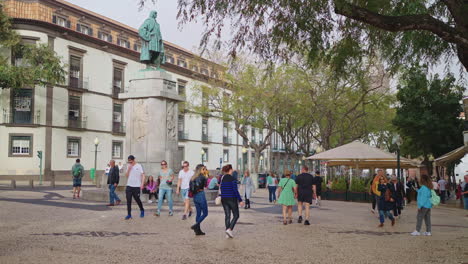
[118, 127]
[10, 118]
[77, 83]
[227, 140]
[77, 123]
[116, 90]
[183, 135]
[206, 138]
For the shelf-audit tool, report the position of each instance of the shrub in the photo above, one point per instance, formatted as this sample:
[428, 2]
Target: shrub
[339, 184]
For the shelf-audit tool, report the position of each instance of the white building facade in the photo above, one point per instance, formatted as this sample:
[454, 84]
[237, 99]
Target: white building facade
[101, 56]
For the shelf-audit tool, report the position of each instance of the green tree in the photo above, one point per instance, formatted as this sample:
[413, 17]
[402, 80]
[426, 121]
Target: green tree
[247, 98]
[427, 116]
[39, 64]
[400, 31]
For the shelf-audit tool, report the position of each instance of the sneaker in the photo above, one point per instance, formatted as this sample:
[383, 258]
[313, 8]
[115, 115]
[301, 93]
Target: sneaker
[229, 233]
[184, 217]
[393, 222]
[427, 234]
[171, 213]
[372, 210]
[415, 233]
[299, 220]
[150, 201]
[158, 213]
[190, 214]
[142, 213]
[306, 222]
[128, 217]
[318, 203]
[381, 225]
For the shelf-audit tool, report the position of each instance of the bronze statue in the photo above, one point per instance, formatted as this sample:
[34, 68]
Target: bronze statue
[152, 46]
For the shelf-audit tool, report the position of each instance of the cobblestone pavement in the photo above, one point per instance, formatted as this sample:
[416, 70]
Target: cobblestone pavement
[47, 226]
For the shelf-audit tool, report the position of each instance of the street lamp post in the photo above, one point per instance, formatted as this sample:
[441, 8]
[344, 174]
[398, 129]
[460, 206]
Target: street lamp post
[261, 163]
[202, 152]
[397, 142]
[96, 143]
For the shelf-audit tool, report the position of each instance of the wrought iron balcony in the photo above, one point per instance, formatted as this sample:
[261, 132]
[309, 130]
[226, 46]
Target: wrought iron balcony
[77, 83]
[21, 118]
[118, 127]
[206, 138]
[227, 140]
[183, 135]
[76, 122]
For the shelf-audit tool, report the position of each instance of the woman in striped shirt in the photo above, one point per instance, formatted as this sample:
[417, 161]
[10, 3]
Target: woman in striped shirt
[230, 199]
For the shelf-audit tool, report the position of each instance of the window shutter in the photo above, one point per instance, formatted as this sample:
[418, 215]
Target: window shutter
[128, 44]
[90, 31]
[135, 47]
[78, 27]
[99, 35]
[68, 24]
[54, 19]
[118, 42]
[110, 38]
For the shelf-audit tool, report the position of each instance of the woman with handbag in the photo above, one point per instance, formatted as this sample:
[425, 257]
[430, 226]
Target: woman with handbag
[166, 176]
[385, 201]
[230, 199]
[196, 190]
[287, 194]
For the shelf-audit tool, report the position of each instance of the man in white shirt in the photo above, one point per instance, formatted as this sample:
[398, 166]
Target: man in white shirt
[183, 185]
[442, 184]
[135, 180]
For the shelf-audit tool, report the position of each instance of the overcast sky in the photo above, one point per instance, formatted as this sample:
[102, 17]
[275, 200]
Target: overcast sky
[127, 12]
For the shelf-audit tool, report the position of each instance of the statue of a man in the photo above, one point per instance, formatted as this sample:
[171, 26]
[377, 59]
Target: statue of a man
[152, 46]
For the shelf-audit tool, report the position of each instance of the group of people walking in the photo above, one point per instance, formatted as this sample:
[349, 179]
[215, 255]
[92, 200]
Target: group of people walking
[305, 188]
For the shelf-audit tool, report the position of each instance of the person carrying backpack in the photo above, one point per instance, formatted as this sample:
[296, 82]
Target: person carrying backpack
[77, 175]
[426, 199]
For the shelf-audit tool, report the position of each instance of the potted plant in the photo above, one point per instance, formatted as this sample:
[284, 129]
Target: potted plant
[357, 190]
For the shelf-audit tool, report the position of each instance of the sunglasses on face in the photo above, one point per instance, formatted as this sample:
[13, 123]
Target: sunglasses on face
[163, 164]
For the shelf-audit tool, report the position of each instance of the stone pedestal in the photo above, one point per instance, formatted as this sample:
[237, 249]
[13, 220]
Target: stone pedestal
[151, 117]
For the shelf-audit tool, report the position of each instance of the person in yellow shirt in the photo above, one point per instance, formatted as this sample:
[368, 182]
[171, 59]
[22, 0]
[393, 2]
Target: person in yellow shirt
[373, 190]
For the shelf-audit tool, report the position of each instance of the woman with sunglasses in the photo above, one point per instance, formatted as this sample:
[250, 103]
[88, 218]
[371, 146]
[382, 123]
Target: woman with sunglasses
[197, 186]
[385, 201]
[165, 176]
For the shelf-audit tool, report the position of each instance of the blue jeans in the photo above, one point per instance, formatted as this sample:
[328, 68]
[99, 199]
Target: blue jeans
[383, 214]
[465, 202]
[199, 200]
[112, 195]
[272, 193]
[168, 193]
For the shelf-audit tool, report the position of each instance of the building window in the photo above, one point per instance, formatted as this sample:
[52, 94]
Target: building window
[117, 149]
[75, 72]
[123, 43]
[74, 112]
[117, 125]
[205, 154]
[136, 47]
[226, 133]
[205, 129]
[195, 68]
[84, 29]
[253, 134]
[170, 59]
[22, 106]
[73, 147]
[20, 145]
[204, 72]
[182, 63]
[214, 75]
[61, 21]
[181, 89]
[117, 82]
[226, 155]
[260, 136]
[181, 127]
[105, 36]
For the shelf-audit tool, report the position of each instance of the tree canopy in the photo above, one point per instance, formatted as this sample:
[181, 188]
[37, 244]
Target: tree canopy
[402, 32]
[428, 114]
[39, 65]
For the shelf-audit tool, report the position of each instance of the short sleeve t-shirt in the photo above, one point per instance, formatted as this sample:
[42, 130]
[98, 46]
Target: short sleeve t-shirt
[305, 181]
[165, 176]
[134, 176]
[185, 176]
[442, 184]
[318, 182]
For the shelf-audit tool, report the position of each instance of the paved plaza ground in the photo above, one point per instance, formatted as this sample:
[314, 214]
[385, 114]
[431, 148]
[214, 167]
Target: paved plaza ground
[47, 226]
